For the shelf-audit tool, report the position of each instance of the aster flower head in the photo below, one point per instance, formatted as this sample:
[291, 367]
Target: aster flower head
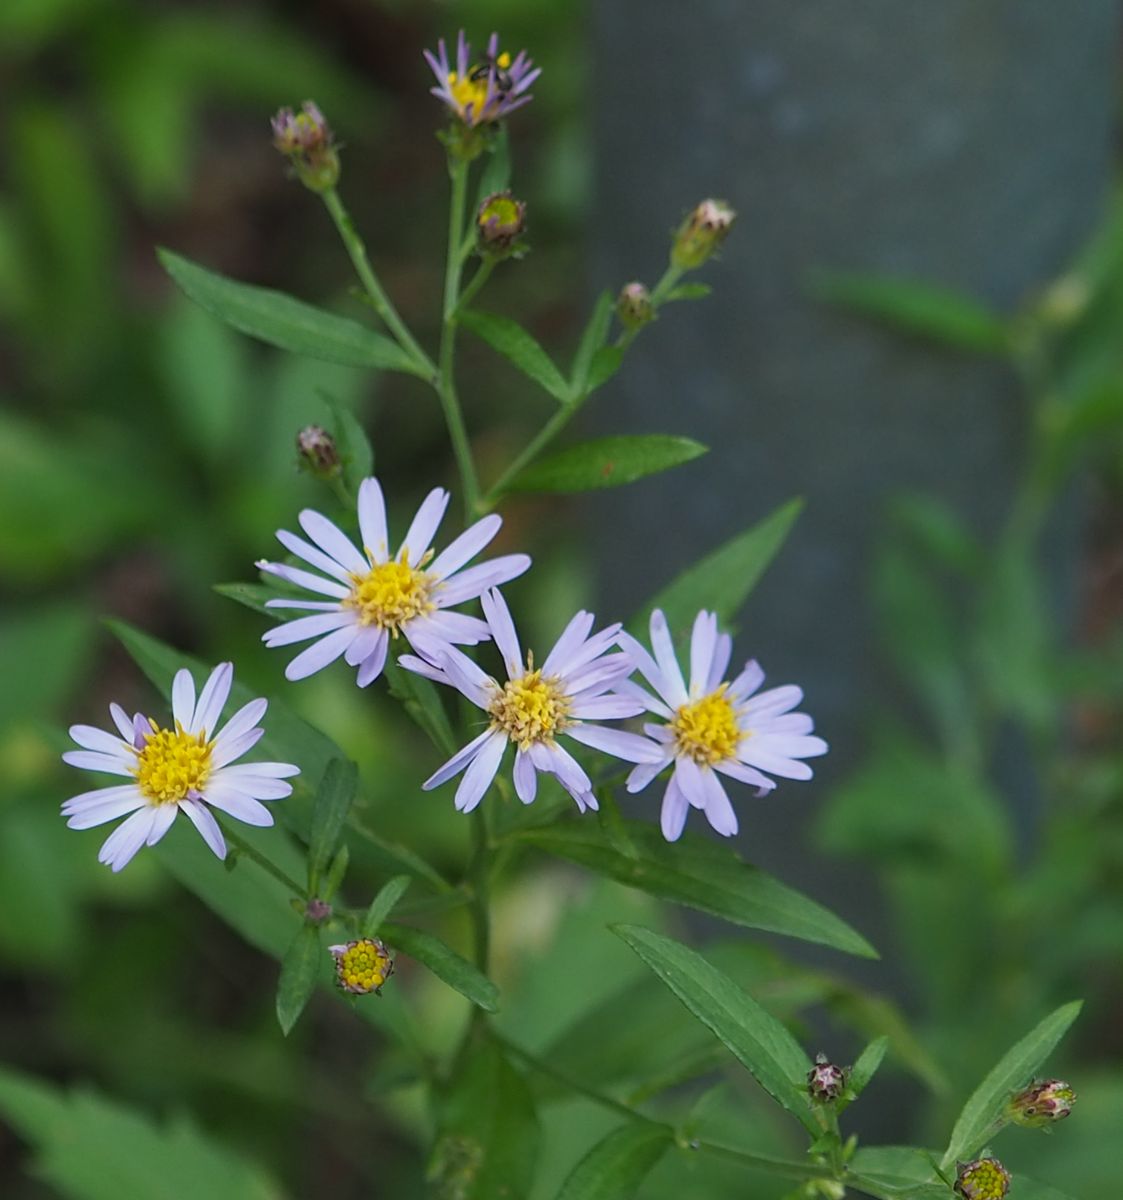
[983, 1179]
[567, 696]
[481, 91]
[186, 767]
[306, 140]
[362, 966]
[375, 596]
[714, 727]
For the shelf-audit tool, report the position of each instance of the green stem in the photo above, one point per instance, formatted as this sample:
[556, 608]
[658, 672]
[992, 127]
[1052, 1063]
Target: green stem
[446, 387]
[789, 1168]
[382, 303]
[477, 281]
[250, 852]
[478, 873]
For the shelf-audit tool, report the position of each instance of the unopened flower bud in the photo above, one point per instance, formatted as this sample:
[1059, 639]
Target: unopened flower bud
[1041, 1103]
[306, 140]
[317, 910]
[362, 967]
[633, 306]
[825, 1081]
[983, 1179]
[701, 234]
[318, 451]
[500, 223]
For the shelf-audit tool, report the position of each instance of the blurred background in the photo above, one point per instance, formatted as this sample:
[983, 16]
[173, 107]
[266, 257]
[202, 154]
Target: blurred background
[915, 325]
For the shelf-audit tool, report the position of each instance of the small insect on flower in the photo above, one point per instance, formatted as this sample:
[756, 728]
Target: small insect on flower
[714, 727]
[363, 966]
[186, 767]
[825, 1081]
[481, 92]
[374, 597]
[562, 698]
[1042, 1103]
[983, 1179]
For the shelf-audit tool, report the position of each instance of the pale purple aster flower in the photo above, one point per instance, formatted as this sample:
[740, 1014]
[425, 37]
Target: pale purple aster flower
[184, 768]
[374, 597]
[484, 91]
[565, 697]
[714, 727]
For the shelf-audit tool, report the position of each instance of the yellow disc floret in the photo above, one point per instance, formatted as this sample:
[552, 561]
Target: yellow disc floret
[173, 764]
[471, 89]
[530, 709]
[706, 730]
[390, 594]
[362, 966]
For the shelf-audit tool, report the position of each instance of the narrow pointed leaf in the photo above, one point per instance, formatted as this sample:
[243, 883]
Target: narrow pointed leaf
[1013, 1072]
[606, 462]
[334, 798]
[866, 1066]
[689, 291]
[722, 581]
[252, 595]
[519, 348]
[944, 316]
[606, 362]
[299, 971]
[283, 321]
[616, 1166]
[755, 1037]
[445, 963]
[700, 875]
[383, 904]
[592, 339]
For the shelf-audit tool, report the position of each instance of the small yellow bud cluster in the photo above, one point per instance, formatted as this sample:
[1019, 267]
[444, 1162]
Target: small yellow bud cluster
[362, 966]
[500, 224]
[983, 1179]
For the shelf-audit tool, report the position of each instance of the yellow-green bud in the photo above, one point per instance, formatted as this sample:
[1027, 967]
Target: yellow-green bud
[363, 966]
[983, 1179]
[500, 223]
[306, 140]
[825, 1081]
[1041, 1103]
[318, 451]
[633, 306]
[701, 234]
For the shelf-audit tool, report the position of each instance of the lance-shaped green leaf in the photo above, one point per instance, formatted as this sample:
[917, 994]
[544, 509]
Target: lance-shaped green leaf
[334, 798]
[355, 452]
[422, 701]
[701, 875]
[616, 1166]
[511, 340]
[756, 1038]
[944, 316]
[299, 970]
[904, 1171]
[864, 1069]
[445, 963]
[975, 1123]
[721, 582]
[592, 340]
[383, 904]
[283, 321]
[688, 291]
[606, 362]
[251, 595]
[487, 1139]
[606, 462]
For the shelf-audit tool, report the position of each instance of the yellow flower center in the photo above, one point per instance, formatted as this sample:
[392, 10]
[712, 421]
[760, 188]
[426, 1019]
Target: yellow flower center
[364, 966]
[390, 594]
[707, 730]
[172, 764]
[472, 88]
[530, 709]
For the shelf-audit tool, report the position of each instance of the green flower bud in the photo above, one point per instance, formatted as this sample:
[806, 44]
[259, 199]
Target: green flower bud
[633, 306]
[318, 451]
[983, 1179]
[701, 234]
[362, 967]
[500, 224]
[1041, 1103]
[825, 1081]
[306, 140]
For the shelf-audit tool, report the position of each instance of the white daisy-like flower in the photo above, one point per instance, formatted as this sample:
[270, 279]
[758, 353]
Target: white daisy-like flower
[375, 595]
[714, 727]
[184, 768]
[565, 696]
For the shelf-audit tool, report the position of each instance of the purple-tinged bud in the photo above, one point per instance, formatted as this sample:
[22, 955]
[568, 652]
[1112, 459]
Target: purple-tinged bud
[825, 1081]
[634, 307]
[306, 140]
[701, 234]
[500, 224]
[318, 451]
[363, 966]
[983, 1179]
[1041, 1103]
[317, 911]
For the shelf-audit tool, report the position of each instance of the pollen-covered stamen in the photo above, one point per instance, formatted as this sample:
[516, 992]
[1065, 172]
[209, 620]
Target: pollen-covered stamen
[530, 709]
[706, 730]
[173, 764]
[391, 593]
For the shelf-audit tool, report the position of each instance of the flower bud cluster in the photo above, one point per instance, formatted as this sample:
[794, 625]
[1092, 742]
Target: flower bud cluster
[306, 140]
